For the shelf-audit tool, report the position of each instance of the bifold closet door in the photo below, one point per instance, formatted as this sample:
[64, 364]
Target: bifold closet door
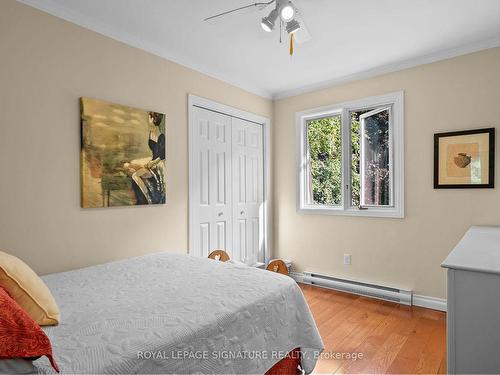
[212, 211]
[248, 191]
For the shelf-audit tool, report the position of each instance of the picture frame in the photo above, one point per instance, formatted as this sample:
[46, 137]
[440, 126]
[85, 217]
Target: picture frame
[122, 155]
[464, 159]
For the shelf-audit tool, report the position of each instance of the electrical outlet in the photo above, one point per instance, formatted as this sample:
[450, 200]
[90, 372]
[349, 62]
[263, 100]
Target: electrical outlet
[347, 259]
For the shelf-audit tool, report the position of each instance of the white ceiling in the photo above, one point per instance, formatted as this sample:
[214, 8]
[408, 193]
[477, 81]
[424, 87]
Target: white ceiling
[351, 38]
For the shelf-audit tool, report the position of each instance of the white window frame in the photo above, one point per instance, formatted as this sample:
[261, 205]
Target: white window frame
[393, 100]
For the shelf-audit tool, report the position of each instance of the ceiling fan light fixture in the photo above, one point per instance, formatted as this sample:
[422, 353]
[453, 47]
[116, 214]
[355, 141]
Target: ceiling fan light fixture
[268, 22]
[266, 25]
[292, 26]
[287, 11]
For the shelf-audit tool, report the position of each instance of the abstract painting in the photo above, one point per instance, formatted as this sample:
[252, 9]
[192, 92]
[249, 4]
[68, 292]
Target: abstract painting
[464, 159]
[122, 155]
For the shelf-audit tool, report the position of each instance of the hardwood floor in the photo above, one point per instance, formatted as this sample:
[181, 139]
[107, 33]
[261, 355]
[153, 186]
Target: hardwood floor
[392, 338]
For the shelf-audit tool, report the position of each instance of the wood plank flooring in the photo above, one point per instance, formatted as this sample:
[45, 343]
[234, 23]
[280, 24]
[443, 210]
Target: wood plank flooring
[392, 338]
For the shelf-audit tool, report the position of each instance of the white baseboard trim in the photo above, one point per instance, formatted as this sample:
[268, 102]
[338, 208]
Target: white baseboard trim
[418, 300]
[429, 302]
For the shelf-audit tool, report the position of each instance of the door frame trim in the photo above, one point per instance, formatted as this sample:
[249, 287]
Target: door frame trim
[199, 102]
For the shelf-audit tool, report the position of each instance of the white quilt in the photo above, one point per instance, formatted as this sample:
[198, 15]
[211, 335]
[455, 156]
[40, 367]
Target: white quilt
[168, 313]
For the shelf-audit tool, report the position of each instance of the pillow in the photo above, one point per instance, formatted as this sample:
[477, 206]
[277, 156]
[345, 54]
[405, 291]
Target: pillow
[20, 336]
[28, 290]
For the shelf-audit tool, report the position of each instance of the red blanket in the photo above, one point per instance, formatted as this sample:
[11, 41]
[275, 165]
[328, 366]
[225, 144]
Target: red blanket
[288, 365]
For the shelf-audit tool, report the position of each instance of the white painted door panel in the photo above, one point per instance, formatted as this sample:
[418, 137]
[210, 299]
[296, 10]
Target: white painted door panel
[248, 183]
[212, 183]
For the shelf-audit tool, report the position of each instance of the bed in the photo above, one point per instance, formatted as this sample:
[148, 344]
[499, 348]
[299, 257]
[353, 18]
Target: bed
[172, 313]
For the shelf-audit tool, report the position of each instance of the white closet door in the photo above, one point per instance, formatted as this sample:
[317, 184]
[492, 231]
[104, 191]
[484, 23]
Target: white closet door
[248, 183]
[212, 183]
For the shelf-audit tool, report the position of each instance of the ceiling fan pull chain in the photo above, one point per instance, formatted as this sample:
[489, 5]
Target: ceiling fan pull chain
[281, 30]
[291, 44]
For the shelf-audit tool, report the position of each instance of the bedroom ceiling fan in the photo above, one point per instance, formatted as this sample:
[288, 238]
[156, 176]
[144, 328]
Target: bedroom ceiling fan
[283, 11]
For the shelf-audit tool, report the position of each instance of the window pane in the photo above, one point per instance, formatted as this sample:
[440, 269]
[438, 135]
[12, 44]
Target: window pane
[325, 161]
[375, 169]
[355, 155]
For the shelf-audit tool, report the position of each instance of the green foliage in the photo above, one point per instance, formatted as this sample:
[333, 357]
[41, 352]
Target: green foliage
[355, 155]
[325, 152]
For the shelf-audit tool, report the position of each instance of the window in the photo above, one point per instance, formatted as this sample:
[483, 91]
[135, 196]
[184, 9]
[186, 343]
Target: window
[325, 160]
[351, 158]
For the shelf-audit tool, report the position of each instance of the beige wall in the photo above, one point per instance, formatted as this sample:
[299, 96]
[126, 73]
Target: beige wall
[46, 65]
[460, 93]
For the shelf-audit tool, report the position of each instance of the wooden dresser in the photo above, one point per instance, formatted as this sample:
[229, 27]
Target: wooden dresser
[473, 320]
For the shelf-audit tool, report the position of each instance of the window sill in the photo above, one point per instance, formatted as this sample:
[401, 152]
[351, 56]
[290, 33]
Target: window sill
[394, 213]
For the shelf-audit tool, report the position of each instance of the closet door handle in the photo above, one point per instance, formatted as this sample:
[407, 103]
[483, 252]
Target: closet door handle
[220, 214]
[242, 212]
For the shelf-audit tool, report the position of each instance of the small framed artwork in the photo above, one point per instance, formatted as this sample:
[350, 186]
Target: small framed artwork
[464, 159]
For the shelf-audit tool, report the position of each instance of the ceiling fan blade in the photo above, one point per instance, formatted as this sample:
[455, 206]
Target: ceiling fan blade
[238, 9]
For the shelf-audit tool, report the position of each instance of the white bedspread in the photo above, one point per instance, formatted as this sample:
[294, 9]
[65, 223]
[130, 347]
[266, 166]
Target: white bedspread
[177, 309]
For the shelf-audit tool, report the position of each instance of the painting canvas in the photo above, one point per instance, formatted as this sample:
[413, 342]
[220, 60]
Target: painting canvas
[464, 159]
[122, 155]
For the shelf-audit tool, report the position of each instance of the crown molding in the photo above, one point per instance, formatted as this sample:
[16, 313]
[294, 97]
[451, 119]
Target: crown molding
[53, 8]
[393, 67]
